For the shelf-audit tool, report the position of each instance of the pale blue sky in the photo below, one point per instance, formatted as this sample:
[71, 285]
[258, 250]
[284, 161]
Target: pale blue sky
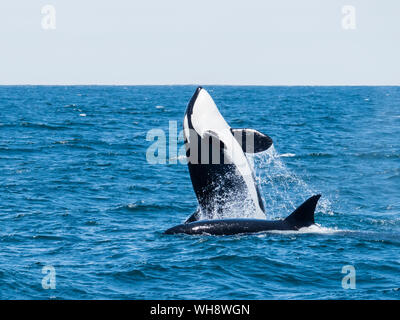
[261, 42]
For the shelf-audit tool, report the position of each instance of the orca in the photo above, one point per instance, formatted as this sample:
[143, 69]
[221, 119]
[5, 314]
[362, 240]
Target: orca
[302, 217]
[218, 167]
[222, 177]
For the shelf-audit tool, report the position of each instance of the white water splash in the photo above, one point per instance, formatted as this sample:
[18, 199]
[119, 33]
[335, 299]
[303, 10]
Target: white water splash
[234, 204]
[287, 155]
[282, 190]
[314, 229]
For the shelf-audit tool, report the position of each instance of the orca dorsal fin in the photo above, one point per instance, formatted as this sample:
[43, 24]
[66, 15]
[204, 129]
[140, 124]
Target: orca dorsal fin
[194, 217]
[252, 141]
[303, 216]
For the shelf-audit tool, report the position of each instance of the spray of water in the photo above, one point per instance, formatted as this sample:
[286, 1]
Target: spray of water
[232, 203]
[282, 190]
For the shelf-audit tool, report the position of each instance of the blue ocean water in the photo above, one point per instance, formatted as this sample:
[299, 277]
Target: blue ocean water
[78, 194]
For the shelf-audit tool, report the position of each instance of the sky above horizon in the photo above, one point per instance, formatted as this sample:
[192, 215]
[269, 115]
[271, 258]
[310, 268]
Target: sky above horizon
[254, 42]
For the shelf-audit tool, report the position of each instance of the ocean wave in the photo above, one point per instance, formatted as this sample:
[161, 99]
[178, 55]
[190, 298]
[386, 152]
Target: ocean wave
[43, 126]
[377, 155]
[134, 274]
[320, 155]
[20, 150]
[47, 237]
[142, 206]
[382, 222]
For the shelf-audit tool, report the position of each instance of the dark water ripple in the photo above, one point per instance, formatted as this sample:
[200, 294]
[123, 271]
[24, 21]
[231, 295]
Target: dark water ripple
[77, 194]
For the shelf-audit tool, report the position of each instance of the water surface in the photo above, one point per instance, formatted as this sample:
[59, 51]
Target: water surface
[78, 194]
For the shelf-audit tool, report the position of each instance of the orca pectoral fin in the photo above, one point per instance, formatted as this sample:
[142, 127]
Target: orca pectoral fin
[194, 217]
[252, 141]
[303, 216]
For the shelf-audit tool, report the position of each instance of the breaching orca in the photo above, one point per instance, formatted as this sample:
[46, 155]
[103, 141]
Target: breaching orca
[221, 175]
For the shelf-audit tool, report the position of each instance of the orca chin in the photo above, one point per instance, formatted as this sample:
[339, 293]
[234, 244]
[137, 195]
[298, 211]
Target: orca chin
[222, 177]
[302, 217]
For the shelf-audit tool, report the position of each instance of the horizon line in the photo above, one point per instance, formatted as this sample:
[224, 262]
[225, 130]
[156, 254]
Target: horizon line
[199, 84]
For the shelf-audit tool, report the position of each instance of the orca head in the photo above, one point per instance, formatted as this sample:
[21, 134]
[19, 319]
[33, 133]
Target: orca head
[219, 170]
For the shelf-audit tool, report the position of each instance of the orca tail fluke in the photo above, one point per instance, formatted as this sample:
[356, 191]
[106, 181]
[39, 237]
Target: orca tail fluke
[303, 216]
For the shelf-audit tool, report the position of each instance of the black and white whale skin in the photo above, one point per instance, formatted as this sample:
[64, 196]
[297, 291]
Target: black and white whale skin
[222, 178]
[302, 217]
[217, 164]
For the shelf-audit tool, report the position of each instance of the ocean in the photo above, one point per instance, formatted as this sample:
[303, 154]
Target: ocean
[83, 212]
